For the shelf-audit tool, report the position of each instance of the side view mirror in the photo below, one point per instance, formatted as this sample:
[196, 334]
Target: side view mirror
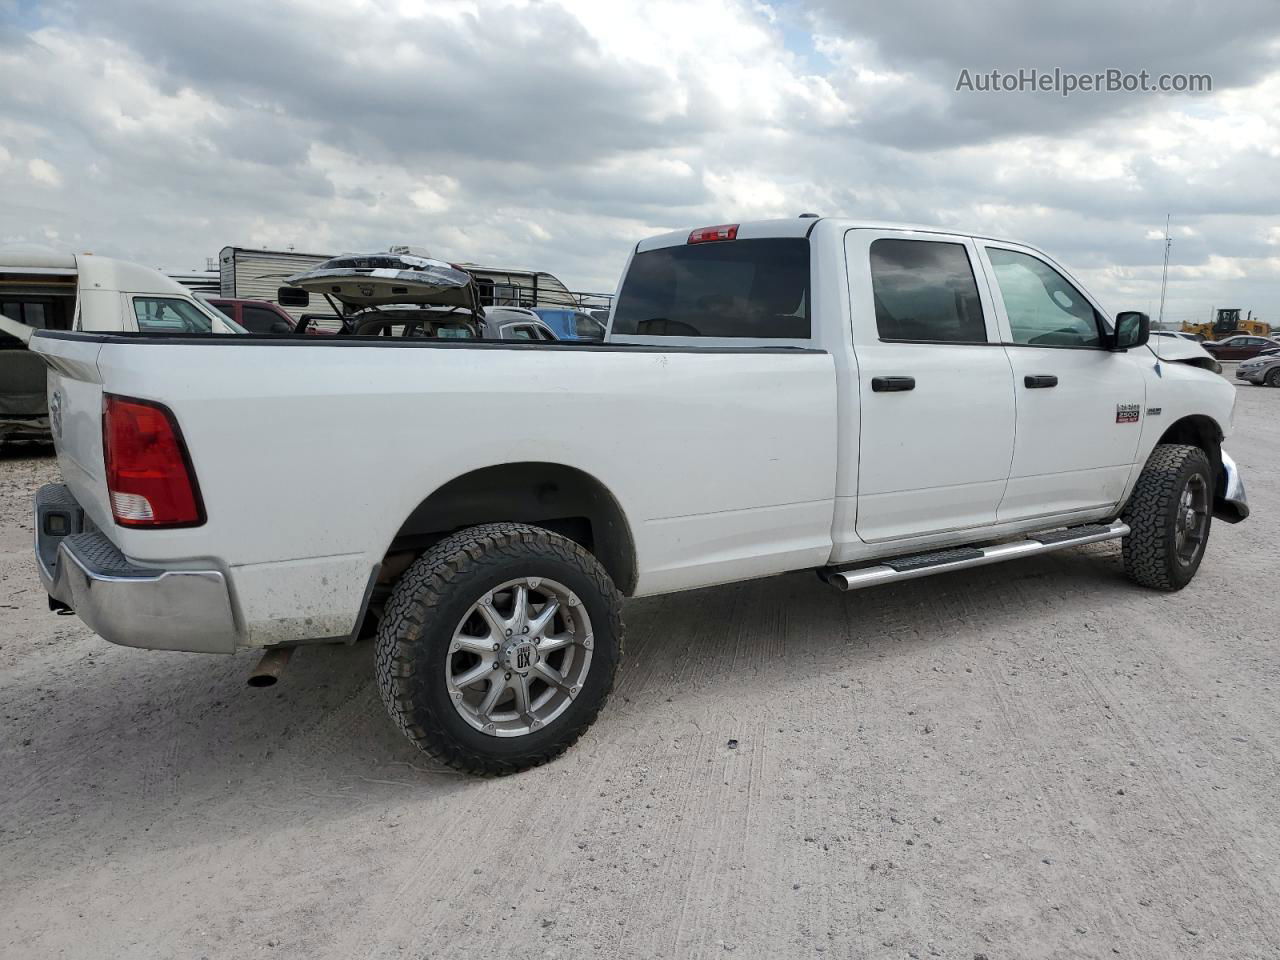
[293, 297]
[1133, 329]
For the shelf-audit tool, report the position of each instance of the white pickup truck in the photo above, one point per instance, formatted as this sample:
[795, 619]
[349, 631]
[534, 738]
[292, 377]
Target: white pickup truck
[874, 402]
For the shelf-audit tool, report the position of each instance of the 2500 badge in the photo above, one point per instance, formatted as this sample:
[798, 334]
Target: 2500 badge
[1128, 412]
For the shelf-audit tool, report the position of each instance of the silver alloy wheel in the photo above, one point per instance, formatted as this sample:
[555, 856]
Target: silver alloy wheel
[519, 657]
[1192, 521]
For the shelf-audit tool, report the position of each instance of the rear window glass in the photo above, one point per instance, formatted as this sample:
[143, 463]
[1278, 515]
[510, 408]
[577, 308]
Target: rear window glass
[736, 288]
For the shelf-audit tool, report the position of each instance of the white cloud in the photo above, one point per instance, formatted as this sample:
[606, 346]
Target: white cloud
[42, 171]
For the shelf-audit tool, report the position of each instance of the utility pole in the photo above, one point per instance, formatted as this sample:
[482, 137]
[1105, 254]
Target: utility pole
[1164, 276]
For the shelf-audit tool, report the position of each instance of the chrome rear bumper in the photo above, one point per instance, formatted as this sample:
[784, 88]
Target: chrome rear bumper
[1230, 502]
[128, 604]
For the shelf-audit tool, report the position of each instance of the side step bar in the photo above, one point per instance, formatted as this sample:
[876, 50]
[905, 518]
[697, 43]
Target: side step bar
[960, 558]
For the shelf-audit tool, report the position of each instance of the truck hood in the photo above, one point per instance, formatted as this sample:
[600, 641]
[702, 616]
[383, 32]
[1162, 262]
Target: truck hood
[377, 279]
[1178, 350]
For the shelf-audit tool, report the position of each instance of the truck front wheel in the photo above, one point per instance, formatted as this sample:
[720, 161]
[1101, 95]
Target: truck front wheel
[1169, 516]
[498, 647]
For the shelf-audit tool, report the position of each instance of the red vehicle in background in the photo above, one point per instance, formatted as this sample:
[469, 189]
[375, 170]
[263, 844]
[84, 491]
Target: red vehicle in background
[1241, 347]
[261, 316]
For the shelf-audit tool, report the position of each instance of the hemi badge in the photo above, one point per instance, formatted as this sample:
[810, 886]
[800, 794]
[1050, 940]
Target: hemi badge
[1128, 412]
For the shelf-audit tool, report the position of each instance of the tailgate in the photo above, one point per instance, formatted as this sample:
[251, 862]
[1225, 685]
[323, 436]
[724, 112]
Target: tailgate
[74, 386]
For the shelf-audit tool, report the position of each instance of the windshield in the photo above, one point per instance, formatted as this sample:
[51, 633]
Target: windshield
[735, 288]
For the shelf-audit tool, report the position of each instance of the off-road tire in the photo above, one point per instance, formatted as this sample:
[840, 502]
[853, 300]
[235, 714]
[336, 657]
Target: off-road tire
[1272, 379]
[1149, 552]
[426, 606]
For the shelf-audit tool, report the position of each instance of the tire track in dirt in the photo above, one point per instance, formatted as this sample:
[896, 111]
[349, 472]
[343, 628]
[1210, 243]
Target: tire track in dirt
[1182, 799]
[1029, 728]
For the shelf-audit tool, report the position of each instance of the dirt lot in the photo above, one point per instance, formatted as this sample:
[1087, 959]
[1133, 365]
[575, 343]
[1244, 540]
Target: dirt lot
[1031, 760]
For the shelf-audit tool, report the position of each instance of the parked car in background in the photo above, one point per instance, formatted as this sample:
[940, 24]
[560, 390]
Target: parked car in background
[24, 413]
[572, 324]
[256, 274]
[446, 323]
[1241, 347]
[406, 295]
[1264, 368]
[37, 292]
[256, 316]
[516, 323]
[42, 289]
[46, 290]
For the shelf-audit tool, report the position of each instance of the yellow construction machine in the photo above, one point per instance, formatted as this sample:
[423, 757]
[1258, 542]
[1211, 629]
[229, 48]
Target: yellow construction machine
[1227, 323]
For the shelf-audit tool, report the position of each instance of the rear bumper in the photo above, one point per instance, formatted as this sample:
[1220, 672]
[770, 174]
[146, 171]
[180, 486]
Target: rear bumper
[123, 602]
[1230, 502]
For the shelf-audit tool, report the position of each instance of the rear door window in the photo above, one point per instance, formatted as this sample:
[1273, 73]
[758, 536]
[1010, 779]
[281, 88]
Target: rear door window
[925, 291]
[757, 289]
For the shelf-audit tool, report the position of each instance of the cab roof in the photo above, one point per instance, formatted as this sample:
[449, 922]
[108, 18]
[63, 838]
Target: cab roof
[803, 226]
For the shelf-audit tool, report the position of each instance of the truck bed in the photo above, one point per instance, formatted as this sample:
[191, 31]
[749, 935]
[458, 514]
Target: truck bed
[311, 453]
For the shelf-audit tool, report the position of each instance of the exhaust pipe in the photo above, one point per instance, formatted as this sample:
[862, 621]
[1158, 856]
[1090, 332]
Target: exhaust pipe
[269, 668]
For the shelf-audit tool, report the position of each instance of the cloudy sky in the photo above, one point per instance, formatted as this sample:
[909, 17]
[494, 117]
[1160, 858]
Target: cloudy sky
[556, 134]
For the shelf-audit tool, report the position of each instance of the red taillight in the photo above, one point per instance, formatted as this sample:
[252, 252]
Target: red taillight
[149, 475]
[726, 231]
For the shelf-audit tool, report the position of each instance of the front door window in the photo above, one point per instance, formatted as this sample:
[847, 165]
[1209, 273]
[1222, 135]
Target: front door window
[1044, 309]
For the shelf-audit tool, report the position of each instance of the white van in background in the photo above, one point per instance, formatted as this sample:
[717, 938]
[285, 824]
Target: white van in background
[42, 289]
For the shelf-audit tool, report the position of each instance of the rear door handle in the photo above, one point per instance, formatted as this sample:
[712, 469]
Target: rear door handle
[1040, 381]
[892, 384]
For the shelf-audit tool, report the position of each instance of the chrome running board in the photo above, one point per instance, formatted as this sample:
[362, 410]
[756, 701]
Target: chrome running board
[960, 558]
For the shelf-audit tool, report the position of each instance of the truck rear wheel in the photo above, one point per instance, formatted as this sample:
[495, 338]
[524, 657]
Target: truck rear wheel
[498, 647]
[1169, 517]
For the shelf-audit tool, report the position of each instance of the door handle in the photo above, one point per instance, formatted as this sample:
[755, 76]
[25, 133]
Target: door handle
[892, 384]
[1039, 381]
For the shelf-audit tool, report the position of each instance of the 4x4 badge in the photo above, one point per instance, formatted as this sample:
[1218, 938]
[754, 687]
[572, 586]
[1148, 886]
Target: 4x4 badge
[1128, 412]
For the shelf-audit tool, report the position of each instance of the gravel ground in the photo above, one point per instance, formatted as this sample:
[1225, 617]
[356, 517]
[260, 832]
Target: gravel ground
[1028, 760]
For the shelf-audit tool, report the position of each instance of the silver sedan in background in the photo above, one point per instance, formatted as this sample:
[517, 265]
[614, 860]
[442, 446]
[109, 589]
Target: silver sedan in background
[1261, 369]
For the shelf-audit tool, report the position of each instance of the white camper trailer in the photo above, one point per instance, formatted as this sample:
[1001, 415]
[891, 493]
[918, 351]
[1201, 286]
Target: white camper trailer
[248, 274]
